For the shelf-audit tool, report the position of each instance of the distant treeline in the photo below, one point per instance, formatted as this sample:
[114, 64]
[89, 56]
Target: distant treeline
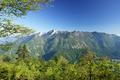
[89, 67]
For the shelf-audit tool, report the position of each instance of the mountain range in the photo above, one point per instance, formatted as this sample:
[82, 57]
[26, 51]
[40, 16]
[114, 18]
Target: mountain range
[71, 45]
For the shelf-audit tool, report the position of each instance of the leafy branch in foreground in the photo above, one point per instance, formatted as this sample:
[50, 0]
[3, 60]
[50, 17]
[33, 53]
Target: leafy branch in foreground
[7, 28]
[20, 7]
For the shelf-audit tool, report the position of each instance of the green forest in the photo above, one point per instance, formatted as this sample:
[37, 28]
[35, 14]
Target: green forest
[89, 67]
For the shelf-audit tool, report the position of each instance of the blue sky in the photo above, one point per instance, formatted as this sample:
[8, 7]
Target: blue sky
[80, 15]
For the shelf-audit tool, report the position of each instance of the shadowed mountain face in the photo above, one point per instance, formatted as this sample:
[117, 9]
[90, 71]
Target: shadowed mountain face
[69, 44]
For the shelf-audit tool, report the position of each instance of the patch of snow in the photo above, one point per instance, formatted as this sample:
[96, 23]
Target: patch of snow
[40, 33]
[52, 32]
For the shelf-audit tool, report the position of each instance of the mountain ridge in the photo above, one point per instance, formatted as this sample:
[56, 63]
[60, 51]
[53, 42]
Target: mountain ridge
[69, 44]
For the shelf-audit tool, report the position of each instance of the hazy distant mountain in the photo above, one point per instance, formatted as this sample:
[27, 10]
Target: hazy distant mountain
[69, 44]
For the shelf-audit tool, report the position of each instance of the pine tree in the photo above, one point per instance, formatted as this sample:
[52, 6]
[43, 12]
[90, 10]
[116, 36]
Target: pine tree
[23, 53]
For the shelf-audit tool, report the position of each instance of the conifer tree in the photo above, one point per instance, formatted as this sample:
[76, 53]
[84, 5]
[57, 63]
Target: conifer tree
[23, 53]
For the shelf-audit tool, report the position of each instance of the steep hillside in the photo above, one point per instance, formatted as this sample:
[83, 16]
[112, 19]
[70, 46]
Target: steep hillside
[70, 44]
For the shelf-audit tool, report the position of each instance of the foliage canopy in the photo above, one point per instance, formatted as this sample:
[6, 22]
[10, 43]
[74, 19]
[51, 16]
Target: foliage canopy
[20, 7]
[90, 67]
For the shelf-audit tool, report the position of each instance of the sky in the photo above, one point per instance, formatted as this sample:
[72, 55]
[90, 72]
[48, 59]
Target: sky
[79, 15]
